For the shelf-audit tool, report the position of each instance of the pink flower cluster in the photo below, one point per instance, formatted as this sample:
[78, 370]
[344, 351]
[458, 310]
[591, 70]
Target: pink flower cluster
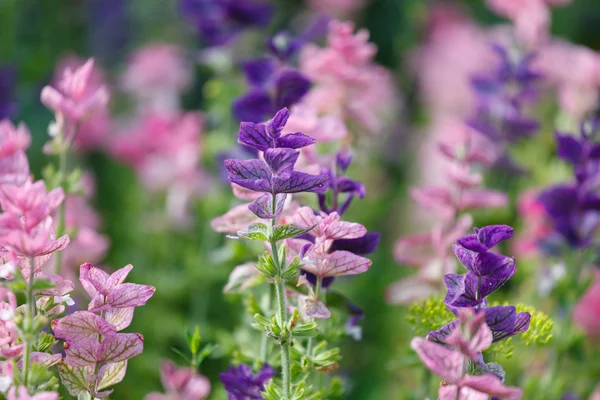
[181, 384]
[94, 350]
[348, 86]
[429, 252]
[80, 94]
[531, 17]
[467, 341]
[162, 142]
[94, 126]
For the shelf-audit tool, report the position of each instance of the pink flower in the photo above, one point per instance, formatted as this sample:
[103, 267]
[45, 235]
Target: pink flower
[348, 84]
[94, 130]
[585, 313]
[9, 346]
[535, 226]
[164, 150]
[181, 384]
[30, 201]
[75, 99]
[156, 75]
[575, 71]
[109, 291]
[13, 139]
[469, 338]
[21, 394]
[39, 241]
[6, 376]
[327, 228]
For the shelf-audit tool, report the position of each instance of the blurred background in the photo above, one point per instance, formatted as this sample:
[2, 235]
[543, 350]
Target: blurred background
[189, 263]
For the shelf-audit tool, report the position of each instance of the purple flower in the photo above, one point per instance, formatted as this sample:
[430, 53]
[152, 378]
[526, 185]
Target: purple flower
[242, 384]
[283, 45]
[487, 272]
[274, 175]
[573, 208]
[503, 95]
[339, 184]
[272, 87]
[218, 21]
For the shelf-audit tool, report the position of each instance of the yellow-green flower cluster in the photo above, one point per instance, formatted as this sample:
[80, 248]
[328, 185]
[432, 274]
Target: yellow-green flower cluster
[429, 315]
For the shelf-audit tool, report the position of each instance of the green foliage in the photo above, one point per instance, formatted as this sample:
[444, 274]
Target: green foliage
[540, 327]
[429, 315]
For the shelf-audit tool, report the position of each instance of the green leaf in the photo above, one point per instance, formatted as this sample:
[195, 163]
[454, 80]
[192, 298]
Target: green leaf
[206, 351]
[282, 232]
[306, 330]
[194, 340]
[74, 378]
[254, 232]
[266, 265]
[42, 284]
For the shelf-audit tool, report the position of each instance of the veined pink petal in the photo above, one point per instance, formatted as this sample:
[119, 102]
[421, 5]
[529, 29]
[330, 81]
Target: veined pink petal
[45, 359]
[124, 295]
[92, 279]
[341, 263]
[446, 363]
[118, 277]
[305, 217]
[120, 347]
[316, 309]
[333, 228]
[492, 386]
[466, 393]
[478, 338]
[81, 325]
[119, 317]
[82, 353]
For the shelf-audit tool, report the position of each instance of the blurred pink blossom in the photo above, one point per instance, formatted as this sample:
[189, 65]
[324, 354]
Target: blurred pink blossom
[23, 395]
[156, 76]
[13, 138]
[575, 71]
[93, 130]
[181, 384]
[348, 84]
[10, 346]
[164, 150]
[585, 313]
[76, 95]
[535, 226]
[14, 166]
[430, 254]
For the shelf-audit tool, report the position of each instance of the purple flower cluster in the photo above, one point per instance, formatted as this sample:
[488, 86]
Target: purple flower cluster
[273, 175]
[274, 84]
[218, 21]
[573, 208]
[487, 272]
[242, 384]
[95, 351]
[502, 97]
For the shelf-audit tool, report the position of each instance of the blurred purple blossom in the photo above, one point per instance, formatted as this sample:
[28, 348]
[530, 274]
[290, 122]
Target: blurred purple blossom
[219, 21]
[242, 384]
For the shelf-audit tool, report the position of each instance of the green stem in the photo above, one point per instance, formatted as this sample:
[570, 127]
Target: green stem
[264, 344]
[29, 315]
[285, 346]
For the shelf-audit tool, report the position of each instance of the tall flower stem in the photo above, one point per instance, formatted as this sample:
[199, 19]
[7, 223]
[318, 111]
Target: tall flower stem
[282, 318]
[29, 315]
[264, 344]
[60, 223]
